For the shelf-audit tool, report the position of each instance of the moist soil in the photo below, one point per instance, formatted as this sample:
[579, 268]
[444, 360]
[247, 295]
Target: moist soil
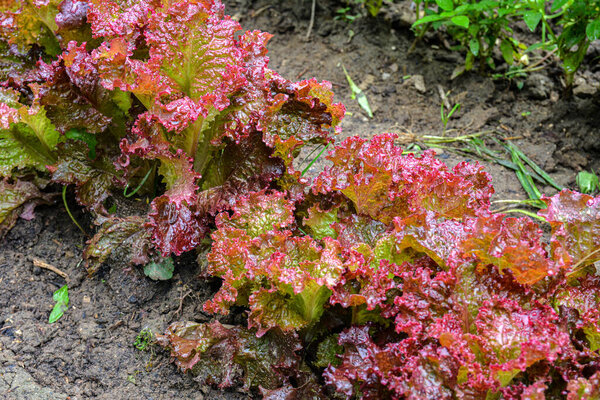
[89, 352]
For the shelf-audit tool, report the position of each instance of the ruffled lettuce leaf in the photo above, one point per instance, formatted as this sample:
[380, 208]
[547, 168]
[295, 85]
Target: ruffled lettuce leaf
[226, 356]
[211, 100]
[514, 339]
[284, 279]
[70, 91]
[19, 199]
[112, 18]
[581, 299]
[244, 167]
[512, 244]
[16, 63]
[584, 388]
[393, 370]
[384, 184]
[575, 222]
[49, 23]
[31, 22]
[93, 179]
[28, 138]
[114, 233]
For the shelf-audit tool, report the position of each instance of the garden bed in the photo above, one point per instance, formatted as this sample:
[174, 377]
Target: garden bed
[89, 352]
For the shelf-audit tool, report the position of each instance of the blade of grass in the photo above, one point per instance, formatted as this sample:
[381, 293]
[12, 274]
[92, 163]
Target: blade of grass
[474, 145]
[526, 180]
[528, 213]
[534, 166]
[487, 155]
[128, 195]
[305, 170]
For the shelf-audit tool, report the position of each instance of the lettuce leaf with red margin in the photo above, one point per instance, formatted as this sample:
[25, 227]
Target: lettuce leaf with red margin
[584, 389]
[19, 199]
[393, 370]
[504, 341]
[575, 222]
[117, 18]
[28, 138]
[384, 184]
[426, 233]
[209, 97]
[71, 22]
[175, 224]
[49, 23]
[118, 232]
[93, 179]
[512, 244]
[583, 297]
[284, 279]
[70, 91]
[514, 339]
[225, 356]
[16, 63]
[30, 22]
[244, 167]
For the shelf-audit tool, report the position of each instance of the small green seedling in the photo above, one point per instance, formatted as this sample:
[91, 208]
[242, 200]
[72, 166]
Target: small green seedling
[358, 94]
[446, 116]
[61, 297]
[131, 378]
[143, 339]
[343, 14]
[587, 182]
[161, 270]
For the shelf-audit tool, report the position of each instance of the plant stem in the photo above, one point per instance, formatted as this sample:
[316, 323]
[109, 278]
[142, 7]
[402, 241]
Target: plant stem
[64, 197]
[128, 195]
[528, 213]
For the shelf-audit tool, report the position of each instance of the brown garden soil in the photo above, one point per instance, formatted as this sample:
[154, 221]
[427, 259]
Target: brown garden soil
[89, 352]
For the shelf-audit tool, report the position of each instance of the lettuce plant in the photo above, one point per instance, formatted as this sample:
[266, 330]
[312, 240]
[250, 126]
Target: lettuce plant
[162, 96]
[397, 281]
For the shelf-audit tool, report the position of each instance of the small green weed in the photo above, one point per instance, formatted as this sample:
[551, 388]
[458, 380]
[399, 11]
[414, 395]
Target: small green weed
[131, 378]
[587, 182]
[358, 94]
[481, 26]
[343, 14]
[161, 270]
[445, 116]
[61, 297]
[144, 340]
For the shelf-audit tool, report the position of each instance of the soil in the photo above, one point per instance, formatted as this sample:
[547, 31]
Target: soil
[89, 352]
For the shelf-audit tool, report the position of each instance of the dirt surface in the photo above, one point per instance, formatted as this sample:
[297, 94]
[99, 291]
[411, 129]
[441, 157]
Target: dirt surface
[89, 352]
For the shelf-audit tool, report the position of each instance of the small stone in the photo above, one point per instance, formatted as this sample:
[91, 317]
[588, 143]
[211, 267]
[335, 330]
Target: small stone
[419, 83]
[583, 88]
[539, 86]
[394, 67]
[385, 76]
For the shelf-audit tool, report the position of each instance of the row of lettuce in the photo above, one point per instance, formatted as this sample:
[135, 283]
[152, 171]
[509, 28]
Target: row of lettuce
[386, 277]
